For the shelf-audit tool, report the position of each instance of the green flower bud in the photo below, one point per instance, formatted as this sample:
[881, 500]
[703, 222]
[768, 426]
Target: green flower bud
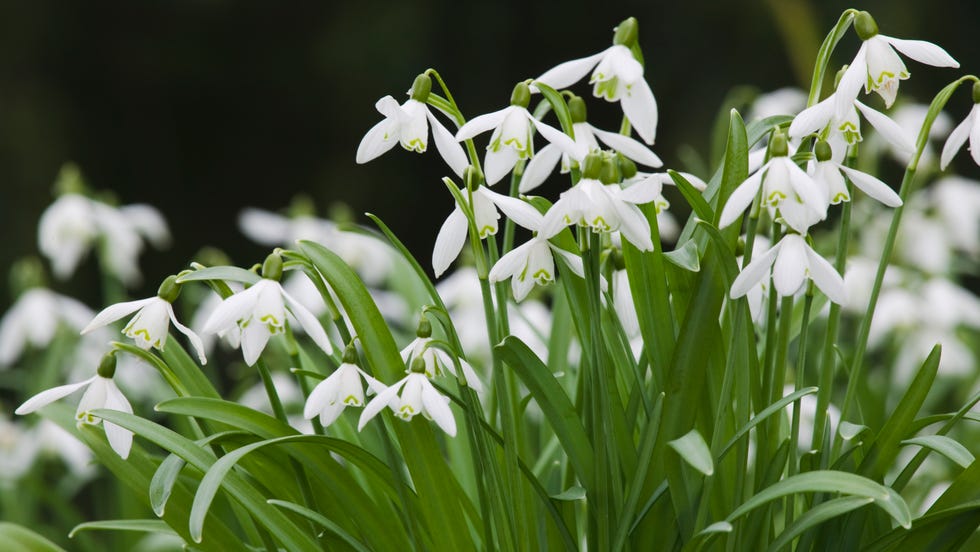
[626, 166]
[627, 32]
[823, 151]
[418, 365]
[169, 289]
[976, 92]
[592, 166]
[865, 26]
[212, 256]
[301, 206]
[618, 260]
[576, 106]
[25, 274]
[107, 368]
[421, 88]
[350, 354]
[69, 180]
[521, 96]
[609, 174]
[778, 146]
[472, 177]
[272, 267]
[425, 328]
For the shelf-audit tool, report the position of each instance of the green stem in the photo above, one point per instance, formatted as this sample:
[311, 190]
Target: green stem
[791, 467]
[823, 55]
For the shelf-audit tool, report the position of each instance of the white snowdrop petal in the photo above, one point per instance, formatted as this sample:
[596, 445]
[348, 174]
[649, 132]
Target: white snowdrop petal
[640, 107]
[539, 168]
[825, 277]
[629, 147]
[923, 52]
[449, 241]
[47, 397]
[875, 188]
[115, 312]
[438, 408]
[754, 272]
[450, 150]
[568, 73]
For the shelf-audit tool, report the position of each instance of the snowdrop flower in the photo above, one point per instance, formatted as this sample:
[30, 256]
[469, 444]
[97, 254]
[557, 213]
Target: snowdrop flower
[100, 392]
[408, 124]
[957, 201]
[969, 128]
[151, 325]
[435, 361]
[617, 76]
[511, 140]
[842, 131]
[792, 260]
[452, 234]
[418, 396]
[587, 136]
[259, 312]
[782, 183]
[34, 320]
[830, 176]
[877, 65]
[623, 301]
[339, 390]
[18, 450]
[783, 101]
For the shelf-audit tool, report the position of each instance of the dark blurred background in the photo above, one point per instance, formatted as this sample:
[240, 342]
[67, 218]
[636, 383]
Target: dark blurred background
[203, 107]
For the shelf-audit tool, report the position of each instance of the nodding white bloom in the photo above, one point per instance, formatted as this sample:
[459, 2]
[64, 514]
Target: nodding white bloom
[150, 327]
[436, 361]
[782, 183]
[829, 174]
[408, 124]
[34, 319]
[259, 312]
[842, 131]
[587, 136]
[878, 67]
[512, 138]
[617, 76]
[339, 390]
[969, 128]
[782, 101]
[100, 392]
[792, 261]
[418, 396]
[452, 234]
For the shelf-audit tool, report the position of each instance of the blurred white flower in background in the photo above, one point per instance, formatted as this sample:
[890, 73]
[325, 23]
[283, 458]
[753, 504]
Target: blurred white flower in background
[34, 320]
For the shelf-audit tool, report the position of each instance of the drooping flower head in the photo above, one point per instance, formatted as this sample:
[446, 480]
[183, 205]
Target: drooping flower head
[830, 174]
[100, 392]
[408, 124]
[436, 361]
[418, 396]
[969, 128]
[339, 390]
[150, 327]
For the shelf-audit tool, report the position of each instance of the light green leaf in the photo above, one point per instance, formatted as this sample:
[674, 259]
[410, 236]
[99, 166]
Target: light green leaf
[139, 525]
[225, 273]
[817, 515]
[761, 416]
[694, 451]
[571, 494]
[947, 446]
[686, 257]
[16, 538]
[320, 519]
[849, 431]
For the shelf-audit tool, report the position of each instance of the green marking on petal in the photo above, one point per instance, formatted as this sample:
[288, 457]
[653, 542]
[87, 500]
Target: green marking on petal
[841, 196]
[351, 400]
[543, 276]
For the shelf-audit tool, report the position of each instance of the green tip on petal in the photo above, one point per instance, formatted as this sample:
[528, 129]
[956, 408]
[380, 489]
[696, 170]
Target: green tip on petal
[976, 92]
[425, 328]
[576, 107]
[865, 25]
[472, 177]
[823, 151]
[627, 32]
[418, 365]
[592, 166]
[778, 147]
[107, 368]
[350, 354]
[169, 289]
[25, 274]
[521, 96]
[421, 88]
[609, 173]
[626, 166]
[272, 267]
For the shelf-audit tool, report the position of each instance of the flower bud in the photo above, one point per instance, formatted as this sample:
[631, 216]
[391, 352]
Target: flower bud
[592, 166]
[823, 151]
[472, 177]
[69, 180]
[425, 328]
[626, 166]
[272, 267]
[976, 92]
[609, 174]
[301, 206]
[778, 146]
[521, 96]
[421, 88]
[25, 274]
[418, 365]
[627, 32]
[107, 367]
[618, 260]
[865, 26]
[169, 289]
[350, 354]
[576, 107]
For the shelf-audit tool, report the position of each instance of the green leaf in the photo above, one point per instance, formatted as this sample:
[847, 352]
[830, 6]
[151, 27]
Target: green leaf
[139, 525]
[224, 273]
[817, 515]
[554, 403]
[559, 106]
[694, 451]
[571, 494]
[162, 484]
[321, 520]
[849, 431]
[947, 446]
[16, 538]
[829, 481]
[761, 416]
[686, 257]
[885, 447]
[693, 197]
